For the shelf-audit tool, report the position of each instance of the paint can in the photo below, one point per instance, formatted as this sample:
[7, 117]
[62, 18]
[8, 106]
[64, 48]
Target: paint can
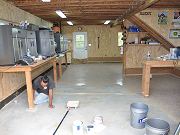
[138, 115]
[90, 129]
[78, 127]
[157, 126]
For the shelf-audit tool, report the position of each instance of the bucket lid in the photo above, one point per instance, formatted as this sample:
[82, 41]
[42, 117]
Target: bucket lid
[157, 124]
[77, 123]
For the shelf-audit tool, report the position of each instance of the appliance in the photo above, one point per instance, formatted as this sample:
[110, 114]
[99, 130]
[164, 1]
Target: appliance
[45, 43]
[19, 43]
[12, 44]
[65, 44]
[31, 43]
[52, 43]
[59, 41]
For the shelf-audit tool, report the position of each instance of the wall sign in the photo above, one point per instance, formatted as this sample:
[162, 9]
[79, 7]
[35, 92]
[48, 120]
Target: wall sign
[174, 33]
[162, 18]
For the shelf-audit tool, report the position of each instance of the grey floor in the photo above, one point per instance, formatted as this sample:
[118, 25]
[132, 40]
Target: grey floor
[101, 95]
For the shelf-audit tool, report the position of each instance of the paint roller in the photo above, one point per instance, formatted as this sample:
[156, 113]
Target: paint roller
[70, 105]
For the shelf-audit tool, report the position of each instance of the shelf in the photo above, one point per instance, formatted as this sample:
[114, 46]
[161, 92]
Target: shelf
[137, 32]
[143, 44]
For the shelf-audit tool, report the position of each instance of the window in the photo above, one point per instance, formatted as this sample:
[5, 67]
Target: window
[80, 41]
[120, 41]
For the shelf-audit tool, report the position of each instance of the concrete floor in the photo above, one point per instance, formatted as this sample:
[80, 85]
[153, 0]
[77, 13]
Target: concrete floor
[101, 95]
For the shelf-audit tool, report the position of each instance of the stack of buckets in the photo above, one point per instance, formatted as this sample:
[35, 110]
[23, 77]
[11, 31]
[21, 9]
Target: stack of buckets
[139, 120]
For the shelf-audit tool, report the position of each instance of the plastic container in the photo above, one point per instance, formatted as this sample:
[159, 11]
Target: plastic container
[78, 127]
[138, 114]
[157, 127]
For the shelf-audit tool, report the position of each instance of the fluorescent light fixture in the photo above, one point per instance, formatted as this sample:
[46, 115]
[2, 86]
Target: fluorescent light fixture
[69, 22]
[60, 13]
[46, 0]
[106, 22]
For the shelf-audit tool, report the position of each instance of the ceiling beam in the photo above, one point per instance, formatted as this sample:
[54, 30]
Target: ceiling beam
[130, 12]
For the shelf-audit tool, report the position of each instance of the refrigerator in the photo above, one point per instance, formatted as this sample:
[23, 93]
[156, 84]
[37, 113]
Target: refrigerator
[57, 39]
[52, 43]
[45, 43]
[19, 43]
[12, 45]
[31, 43]
[7, 56]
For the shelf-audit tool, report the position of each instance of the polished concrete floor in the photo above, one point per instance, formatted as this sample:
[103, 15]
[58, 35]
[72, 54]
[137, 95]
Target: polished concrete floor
[99, 90]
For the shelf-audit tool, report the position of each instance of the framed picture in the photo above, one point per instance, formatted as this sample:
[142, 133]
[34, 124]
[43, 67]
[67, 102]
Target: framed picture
[162, 18]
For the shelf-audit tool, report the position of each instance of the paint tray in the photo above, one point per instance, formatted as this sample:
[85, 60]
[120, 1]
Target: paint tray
[72, 104]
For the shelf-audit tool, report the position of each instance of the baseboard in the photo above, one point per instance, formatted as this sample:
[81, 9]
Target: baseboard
[158, 70]
[176, 72]
[105, 59]
[18, 92]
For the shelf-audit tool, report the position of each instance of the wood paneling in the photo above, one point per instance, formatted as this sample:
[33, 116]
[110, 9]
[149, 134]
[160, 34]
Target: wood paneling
[163, 30]
[105, 59]
[108, 46]
[136, 54]
[11, 82]
[13, 14]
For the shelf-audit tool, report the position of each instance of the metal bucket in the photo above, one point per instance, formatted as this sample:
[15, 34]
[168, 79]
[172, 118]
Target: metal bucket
[157, 127]
[138, 114]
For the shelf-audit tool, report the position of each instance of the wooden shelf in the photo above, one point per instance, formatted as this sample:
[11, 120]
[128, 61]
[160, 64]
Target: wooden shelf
[137, 32]
[144, 44]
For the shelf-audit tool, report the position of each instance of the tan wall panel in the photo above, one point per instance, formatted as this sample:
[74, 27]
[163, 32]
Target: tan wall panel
[13, 14]
[152, 21]
[135, 54]
[108, 39]
[11, 82]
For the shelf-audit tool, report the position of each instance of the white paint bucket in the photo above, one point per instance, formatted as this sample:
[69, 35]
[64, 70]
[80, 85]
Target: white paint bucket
[78, 127]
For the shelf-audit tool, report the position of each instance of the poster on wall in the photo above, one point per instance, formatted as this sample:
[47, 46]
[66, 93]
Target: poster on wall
[162, 18]
[176, 20]
[176, 16]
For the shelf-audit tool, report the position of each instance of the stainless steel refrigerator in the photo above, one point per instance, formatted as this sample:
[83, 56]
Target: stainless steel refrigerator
[52, 43]
[31, 43]
[19, 43]
[45, 42]
[12, 45]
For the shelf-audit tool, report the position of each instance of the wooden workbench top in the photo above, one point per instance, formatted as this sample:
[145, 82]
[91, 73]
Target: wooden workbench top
[162, 63]
[19, 68]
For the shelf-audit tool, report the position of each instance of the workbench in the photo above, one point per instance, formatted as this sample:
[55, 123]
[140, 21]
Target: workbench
[147, 65]
[28, 74]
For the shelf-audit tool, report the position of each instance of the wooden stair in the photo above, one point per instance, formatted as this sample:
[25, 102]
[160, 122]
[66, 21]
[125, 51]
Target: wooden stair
[153, 33]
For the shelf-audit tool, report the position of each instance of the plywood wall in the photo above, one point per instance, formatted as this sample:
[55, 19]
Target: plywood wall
[13, 14]
[11, 82]
[136, 54]
[108, 46]
[152, 21]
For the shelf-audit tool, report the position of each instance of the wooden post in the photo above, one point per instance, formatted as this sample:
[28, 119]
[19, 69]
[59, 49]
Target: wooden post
[60, 68]
[146, 80]
[66, 59]
[29, 89]
[55, 70]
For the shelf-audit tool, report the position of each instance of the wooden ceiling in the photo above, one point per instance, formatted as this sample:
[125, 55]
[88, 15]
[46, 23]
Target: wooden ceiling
[87, 12]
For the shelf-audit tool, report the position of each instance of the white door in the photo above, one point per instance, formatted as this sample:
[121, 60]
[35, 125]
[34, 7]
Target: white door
[80, 45]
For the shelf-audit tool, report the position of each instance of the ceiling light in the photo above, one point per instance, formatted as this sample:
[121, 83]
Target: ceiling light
[46, 0]
[69, 22]
[107, 22]
[60, 13]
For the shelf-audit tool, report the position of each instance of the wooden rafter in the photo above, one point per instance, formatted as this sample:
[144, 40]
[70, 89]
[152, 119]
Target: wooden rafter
[132, 11]
[89, 11]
